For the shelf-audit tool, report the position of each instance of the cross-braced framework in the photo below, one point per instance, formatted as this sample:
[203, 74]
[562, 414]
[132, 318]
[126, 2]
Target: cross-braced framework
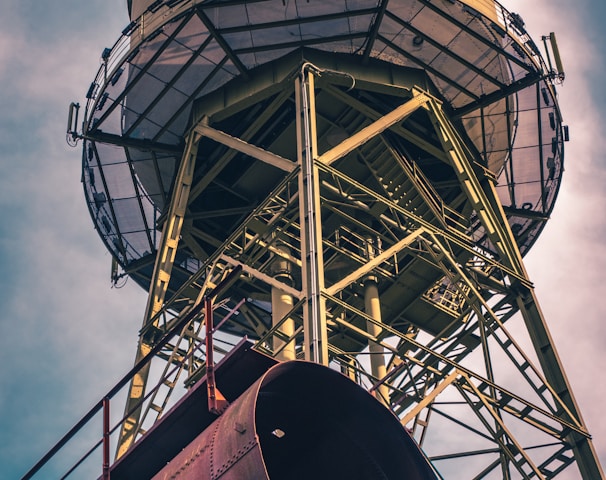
[438, 257]
[375, 170]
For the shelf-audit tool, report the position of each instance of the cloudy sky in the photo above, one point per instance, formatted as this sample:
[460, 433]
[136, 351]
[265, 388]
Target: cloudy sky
[66, 336]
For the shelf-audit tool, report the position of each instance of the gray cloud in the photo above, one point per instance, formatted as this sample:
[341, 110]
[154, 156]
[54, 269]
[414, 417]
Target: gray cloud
[567, 263]
[66, 336]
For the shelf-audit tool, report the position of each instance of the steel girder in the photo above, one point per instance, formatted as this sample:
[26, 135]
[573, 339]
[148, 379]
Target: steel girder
[447, 297]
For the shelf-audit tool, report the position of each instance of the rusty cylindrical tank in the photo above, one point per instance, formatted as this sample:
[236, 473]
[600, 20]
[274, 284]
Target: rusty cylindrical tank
[302, 421]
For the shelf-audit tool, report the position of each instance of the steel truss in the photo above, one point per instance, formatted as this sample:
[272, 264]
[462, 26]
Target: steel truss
[447, 273]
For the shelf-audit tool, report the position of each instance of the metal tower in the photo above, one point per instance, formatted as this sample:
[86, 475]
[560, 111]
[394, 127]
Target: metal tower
[376, 169]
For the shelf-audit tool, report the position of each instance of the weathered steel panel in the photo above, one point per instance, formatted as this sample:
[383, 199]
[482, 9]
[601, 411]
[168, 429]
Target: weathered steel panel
[299, 421]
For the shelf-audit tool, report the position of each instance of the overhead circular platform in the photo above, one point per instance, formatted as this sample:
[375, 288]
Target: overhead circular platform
[180, 60]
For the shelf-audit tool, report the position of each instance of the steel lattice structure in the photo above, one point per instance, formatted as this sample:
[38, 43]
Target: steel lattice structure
[377, 170]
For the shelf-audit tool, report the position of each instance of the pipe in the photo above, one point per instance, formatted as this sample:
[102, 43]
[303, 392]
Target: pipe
[372, 307]
[281, 305]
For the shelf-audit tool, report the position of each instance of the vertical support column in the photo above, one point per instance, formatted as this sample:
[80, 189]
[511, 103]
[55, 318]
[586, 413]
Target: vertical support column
[314, 310]
[165, 257]
[480, 190]
[281, 304]
[584, 451]
[372, 307]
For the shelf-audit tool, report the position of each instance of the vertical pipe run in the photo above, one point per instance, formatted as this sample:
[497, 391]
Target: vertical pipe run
[216, 401]
[210, 362]
[372, 307]
[281, 304]
[312, 268]
[105, 438]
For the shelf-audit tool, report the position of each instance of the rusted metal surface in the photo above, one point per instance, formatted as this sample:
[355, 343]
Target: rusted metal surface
[228, 449]
[190, 416]
[300, 421]
[106, 427]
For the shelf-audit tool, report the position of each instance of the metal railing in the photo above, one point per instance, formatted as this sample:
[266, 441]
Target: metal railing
[103, 405]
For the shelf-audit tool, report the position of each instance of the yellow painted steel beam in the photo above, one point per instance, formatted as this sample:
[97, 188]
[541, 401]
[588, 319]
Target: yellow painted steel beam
[429, 397]
[508, 444]
[254, 127]
[480, 190]
[374, 262]
[374, 129]
[399, 129]
[310, 220]
[246, 148]
[269, 280]
[585, 453]
[165, 258]
[482, 194]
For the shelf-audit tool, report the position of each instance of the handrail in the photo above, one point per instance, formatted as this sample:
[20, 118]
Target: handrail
[191, 315]
[446, 213]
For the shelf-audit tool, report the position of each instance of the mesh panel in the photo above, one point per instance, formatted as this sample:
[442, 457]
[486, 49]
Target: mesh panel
[146, 89]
